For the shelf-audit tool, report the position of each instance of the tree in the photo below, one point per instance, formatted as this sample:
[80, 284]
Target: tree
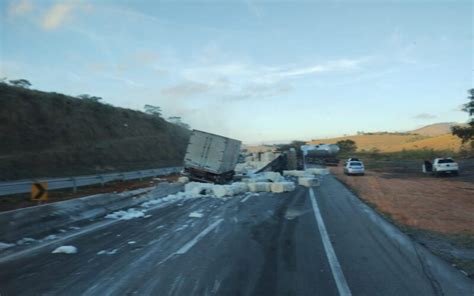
[23, 83]
[466, 133]
[177, 120]
[347, 146]
[153, 110]
[90, 98]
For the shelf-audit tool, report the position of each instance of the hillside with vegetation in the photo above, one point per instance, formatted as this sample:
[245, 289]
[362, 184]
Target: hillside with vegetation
[49, 134]
[436, 129]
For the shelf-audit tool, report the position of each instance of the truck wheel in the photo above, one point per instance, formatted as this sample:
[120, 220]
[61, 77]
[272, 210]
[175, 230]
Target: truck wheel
[455, 173]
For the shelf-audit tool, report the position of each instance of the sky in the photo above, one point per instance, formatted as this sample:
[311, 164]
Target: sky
[258, 71]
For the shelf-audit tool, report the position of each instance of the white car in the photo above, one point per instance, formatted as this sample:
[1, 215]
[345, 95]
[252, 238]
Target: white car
[445, 166]
[354, 168]
[352, 159]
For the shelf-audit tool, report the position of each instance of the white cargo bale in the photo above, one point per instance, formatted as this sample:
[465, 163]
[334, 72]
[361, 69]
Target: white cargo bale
[230, 190]
[222, 190]
[308, 181]
[260, 186]
[239, 187]
[272, 176]
[318, 171]
[196, 188]
[294, 173]
[282, 187]
[183, 180]
[255, 179]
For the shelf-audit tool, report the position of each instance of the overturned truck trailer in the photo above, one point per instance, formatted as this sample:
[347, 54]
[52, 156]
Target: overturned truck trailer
[210, 157]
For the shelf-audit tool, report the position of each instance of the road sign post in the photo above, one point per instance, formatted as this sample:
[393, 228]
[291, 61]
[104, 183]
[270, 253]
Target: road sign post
[39, 191]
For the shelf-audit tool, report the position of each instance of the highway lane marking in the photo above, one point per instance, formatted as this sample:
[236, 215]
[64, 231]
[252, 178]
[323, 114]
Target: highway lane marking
[246, 198]
[191, 243]
[195, 240]
[341, 283]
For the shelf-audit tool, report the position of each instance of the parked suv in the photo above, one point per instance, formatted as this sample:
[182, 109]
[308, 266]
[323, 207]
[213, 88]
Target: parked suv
[445, 166]
[354, 168]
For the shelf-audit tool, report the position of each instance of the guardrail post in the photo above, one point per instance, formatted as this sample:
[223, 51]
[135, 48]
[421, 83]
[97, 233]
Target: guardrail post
[74, 185]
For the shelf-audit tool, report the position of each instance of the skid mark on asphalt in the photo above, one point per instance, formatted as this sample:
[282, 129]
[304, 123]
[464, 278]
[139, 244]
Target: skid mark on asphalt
[341, 283]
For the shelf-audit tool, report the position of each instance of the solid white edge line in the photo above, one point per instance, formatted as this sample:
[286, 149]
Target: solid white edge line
[195, 240]
[341, 283]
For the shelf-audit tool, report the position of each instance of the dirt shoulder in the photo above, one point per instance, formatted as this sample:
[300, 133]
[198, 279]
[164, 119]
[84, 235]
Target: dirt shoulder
[437, 212]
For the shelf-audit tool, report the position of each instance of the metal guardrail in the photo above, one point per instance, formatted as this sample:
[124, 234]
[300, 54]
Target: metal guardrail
[24, 186]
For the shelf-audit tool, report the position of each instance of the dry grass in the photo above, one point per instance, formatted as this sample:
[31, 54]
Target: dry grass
[399, 142]
[444, 142]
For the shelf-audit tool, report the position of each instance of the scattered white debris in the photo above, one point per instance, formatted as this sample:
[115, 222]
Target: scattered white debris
[126, 215]
[182, 227]
[308, 181]
[4, 246]
[50, 237]
[196, 189]
[283, 187]
[25, 241]
[65, 250]
[62, 230]
[183, 180]
[131, 242]
[171, 197]
[104, 252]
[253, 183]
[318, 171]
[196, 215]
[74, 228]
[147, 216]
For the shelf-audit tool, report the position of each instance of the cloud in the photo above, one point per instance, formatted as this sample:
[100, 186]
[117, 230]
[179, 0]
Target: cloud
[254, 9]
[146, 57]
[240, 81]
[338, 65]
[246, 73]
[425, 116]
[259, 91]
[56, 15]
[20, 7]
[185, 89]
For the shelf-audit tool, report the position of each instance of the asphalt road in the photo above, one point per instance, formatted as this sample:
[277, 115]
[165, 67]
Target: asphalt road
[324, 242]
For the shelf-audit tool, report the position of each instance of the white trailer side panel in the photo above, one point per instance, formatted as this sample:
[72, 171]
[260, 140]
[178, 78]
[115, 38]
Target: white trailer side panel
[211, 153]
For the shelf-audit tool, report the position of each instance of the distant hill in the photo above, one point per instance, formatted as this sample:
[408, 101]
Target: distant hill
[259, 148]
[434, 136]
[436, 129]
[49, 134]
